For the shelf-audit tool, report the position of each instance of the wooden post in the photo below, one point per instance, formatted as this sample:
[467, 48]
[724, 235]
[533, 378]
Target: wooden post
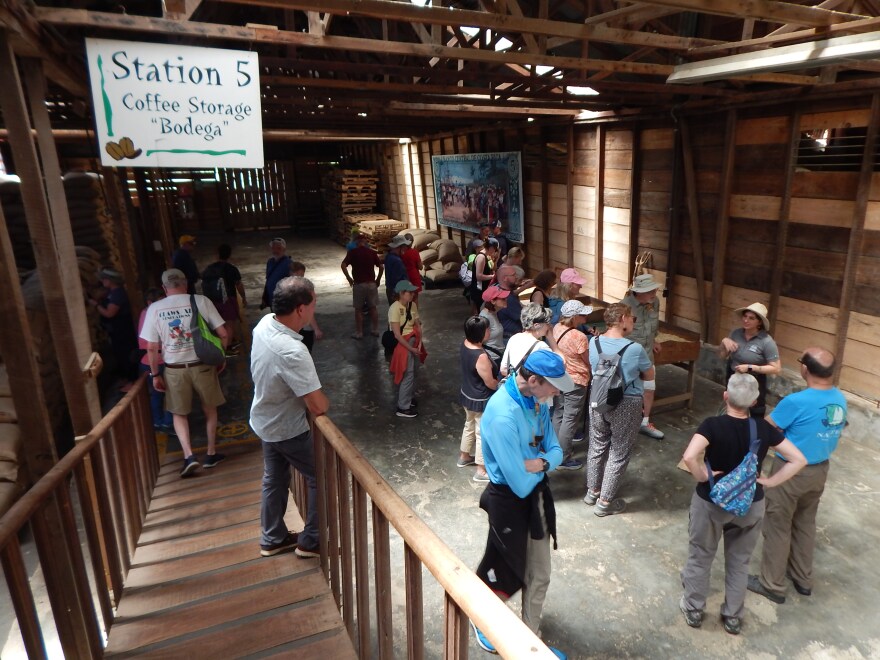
[425, 176]
[690, 183]
[674, 242]
[569, 194]
[794, 139]
[415, 611]
[455, 638]
[856, 235]
[720, 256]
[599, 208]
[545, 195]
[382, 568]
[412, 184]
[635, 201]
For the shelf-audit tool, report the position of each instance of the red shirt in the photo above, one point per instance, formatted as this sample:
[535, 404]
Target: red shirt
[362, 261]
[412, 261]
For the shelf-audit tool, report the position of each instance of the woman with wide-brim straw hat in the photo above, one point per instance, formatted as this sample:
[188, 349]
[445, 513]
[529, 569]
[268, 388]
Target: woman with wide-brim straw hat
[751, 349]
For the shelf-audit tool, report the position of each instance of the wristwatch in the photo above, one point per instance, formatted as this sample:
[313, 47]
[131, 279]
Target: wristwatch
[751, 368]
[546, 465]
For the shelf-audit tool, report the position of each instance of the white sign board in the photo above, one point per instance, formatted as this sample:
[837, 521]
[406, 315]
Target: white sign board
[162, 105]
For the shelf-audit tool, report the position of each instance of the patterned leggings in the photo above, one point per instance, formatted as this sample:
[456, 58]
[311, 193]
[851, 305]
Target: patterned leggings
[612, 437]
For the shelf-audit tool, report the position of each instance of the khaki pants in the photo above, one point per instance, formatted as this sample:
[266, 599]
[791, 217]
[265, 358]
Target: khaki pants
[537, 578]
[471, 442]
[790, 527]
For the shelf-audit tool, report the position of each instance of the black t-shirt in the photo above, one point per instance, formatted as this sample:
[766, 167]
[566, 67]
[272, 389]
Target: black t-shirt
[729, 443]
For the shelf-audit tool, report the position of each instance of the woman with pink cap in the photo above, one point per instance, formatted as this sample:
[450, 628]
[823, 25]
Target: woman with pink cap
[751, 350]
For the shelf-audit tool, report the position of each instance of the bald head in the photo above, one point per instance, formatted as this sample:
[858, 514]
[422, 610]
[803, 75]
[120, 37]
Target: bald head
[818, 362]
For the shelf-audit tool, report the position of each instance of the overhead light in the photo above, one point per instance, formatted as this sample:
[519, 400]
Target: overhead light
[587, 114]
[420, 3]
[362, 114]
[530, 119]
[581, 91]
[404, 141]
[810, 55]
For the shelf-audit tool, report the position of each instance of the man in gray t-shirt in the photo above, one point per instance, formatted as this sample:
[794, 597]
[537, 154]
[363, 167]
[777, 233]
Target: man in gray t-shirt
[286, 390]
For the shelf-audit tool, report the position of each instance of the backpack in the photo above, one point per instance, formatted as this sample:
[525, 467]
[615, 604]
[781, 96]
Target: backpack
[466, 271]
[735, 491]
[389, 341]
[207, 345]
[214, 284]
[608, 384]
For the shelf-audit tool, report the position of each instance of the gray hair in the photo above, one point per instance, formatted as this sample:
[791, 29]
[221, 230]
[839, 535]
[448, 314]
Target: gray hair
[520, 273]
[742, 391]
[505, 268]
[533, 314]
[173, 278]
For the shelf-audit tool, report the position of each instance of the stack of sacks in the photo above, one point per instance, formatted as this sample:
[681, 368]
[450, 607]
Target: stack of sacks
[12, 473]
[90, 218]
[441, 257]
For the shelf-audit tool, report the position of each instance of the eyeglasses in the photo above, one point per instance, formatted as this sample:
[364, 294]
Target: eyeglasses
[800, 360]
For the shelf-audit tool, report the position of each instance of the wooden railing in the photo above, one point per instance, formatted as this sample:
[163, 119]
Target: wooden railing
[351, 496]
[114, 469]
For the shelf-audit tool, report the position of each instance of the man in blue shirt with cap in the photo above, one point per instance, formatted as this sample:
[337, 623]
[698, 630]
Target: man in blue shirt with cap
[519, 449]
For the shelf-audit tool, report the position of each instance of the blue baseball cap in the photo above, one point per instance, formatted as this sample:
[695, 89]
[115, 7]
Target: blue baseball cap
[550, 366]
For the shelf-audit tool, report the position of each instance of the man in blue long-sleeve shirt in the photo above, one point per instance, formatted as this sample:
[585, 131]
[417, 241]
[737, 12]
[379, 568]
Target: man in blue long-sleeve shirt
[519, 448]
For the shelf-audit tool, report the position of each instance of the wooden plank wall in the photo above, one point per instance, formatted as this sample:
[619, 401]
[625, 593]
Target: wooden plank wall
[579, 211]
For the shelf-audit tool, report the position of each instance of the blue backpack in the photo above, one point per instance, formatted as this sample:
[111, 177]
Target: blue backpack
[735, 491]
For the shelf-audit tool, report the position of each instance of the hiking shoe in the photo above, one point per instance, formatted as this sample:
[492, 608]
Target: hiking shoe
[482, 641]
[651, 431]
[190, 465]
[409, 412]
[694, 618]
[579, 437]
[287, 543]
[307, 553]
[755, 586]
[464, 462]
[615, 506]
[570, 464]
[732, 624]
[591, 498]
[481, 477]
[211, 460]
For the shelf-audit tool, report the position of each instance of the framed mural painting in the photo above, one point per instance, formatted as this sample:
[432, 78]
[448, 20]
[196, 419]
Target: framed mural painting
[471, 189]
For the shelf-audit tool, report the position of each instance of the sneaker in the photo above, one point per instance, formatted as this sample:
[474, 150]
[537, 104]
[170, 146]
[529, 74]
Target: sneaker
[464, 462]
[732, 624]
[651, 431]
[481, 477]
[559, 654]
[168, 429]
[410, 412]
[801, 589]
[211, 460]
[307, 553]
[578, 438]
[694, 618]
[615, 506]
[755, 586]
[591, 498]
[482, 641]
[190, 465]
[570, 464]
[287, 543]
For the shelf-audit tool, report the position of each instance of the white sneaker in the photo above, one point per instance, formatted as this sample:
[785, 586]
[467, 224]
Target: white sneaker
[651, 431]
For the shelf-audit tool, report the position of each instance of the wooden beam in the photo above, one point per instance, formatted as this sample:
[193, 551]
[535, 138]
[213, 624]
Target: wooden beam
[690, 183]
[794, 140]
[142, 24]
[764, 10]
[827, 4]
[722, 227]
[545, 203]
[635, 199]
[851, 27]
[785, 58]
[569, 197]
[181, 10]
[856, 235]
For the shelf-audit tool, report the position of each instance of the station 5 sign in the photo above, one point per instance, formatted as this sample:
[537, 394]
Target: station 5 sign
[162, 105]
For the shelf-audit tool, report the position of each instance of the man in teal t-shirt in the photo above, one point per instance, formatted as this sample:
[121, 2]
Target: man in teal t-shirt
[813, 420]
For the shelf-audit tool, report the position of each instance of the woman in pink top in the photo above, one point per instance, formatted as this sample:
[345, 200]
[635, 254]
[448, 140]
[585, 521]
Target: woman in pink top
[162, 419]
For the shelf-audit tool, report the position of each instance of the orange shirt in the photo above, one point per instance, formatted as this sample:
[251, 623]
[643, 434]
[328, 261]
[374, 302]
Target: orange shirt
[573, 346]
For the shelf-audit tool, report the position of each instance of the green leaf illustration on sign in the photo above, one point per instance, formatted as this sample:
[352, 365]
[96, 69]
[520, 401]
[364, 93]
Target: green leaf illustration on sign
[108, 109]
[207, 152]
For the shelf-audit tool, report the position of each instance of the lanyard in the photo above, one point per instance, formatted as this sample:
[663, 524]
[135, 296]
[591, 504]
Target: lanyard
[529, 404]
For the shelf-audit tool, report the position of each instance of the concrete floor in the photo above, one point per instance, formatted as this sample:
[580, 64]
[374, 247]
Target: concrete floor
[615, 585]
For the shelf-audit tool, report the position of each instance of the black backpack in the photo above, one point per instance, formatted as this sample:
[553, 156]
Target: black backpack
[608, 384]
[214, 284]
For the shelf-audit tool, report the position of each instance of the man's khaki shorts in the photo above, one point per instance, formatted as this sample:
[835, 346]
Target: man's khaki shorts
[366, 292]
[180, 383]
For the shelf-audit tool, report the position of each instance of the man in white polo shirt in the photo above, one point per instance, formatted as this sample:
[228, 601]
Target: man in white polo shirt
[286, 390]
[167, 328]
